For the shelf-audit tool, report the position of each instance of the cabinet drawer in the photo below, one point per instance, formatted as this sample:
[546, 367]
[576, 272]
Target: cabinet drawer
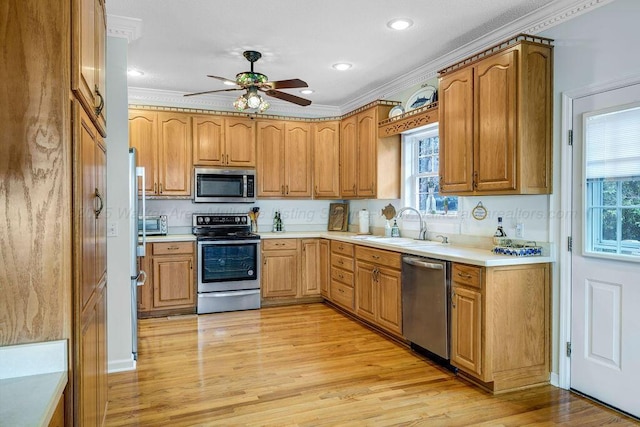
[342, 294]
[342, 276]
[342, 248]
[279, 244]
[171, 248]
[379, 257]
[468, 275]
[342, 261]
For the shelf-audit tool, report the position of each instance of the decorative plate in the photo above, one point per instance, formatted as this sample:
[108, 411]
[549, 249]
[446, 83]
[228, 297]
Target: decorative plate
[420, 98]
[396, 111]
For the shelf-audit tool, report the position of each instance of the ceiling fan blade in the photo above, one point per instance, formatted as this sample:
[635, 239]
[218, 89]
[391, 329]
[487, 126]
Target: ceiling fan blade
[213, 91]
[288, 97]
[224, 79]
[287, 84]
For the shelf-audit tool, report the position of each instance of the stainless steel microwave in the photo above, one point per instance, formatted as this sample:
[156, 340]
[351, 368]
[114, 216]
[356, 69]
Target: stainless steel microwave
[224, 185]
[155, 225]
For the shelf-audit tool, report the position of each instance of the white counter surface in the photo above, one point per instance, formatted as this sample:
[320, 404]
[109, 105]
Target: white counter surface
[172, 238]
[463, 254]
[32, 380]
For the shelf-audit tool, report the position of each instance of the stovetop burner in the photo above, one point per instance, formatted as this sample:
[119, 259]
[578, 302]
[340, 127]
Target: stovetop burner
[222, 227]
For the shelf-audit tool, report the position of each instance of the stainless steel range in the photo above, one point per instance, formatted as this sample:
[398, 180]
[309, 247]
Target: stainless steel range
[228, 263]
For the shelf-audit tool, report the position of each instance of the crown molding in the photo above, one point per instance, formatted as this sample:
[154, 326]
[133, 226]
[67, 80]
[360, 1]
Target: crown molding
[534, 23]
[124, 27]
[168, 98]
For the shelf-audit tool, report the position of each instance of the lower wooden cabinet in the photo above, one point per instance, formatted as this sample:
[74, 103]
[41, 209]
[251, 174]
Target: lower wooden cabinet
[378, 288]
[57, 418]
[342, 275]
[290, 271]
[170, 286]
[500, 324]
[324, 272]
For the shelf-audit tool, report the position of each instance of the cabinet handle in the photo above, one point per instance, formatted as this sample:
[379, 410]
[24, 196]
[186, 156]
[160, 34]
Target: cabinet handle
[340, 262]
[100, 106]
[354, 188]
[287, 189]
[375, 256]
[316, 192]
[453, 298]
[282, 189]
[190, 265]
[173, 248]
[465, 276]
[160, 188]
[265, 262]
[227, 159]
[99, 197]
[475, 180]
[341, 276]
[155, 187]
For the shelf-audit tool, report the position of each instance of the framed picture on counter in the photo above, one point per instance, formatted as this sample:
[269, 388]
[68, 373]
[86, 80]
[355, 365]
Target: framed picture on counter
[338, 217]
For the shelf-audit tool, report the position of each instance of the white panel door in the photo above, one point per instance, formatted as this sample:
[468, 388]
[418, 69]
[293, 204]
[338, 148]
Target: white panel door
[605, 318]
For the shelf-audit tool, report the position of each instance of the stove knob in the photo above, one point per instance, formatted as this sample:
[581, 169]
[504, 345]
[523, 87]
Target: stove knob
[207, 219]
[199, 220]
[243, 219]
[237, 219]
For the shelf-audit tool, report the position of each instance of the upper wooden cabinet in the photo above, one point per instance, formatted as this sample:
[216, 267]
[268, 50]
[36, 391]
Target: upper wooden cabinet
[163, 141]
[284, 159]
[88, 56]
[224, 141]
[326, 160]
[369, 165]
[496, 122]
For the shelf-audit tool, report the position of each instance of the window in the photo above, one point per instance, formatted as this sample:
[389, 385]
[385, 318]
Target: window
[422, 181]
[612, 174]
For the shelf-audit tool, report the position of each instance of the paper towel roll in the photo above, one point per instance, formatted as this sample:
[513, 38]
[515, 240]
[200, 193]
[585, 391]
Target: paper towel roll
[363, 221]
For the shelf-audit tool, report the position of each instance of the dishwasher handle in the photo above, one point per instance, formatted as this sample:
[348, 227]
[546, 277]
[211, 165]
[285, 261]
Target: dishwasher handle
[417, 262]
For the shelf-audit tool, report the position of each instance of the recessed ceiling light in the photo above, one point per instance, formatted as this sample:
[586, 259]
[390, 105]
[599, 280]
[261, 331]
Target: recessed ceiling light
[400, 23]
[306, 91]
[229, 83]
[134, 73]
[341, 66]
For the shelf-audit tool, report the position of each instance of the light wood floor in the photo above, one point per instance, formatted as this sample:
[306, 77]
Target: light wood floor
[309, 365]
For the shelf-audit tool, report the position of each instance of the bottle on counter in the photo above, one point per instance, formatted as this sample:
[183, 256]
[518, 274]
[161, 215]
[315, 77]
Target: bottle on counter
[277, 223]
[395, 230]
[499, 234]
[387, 228]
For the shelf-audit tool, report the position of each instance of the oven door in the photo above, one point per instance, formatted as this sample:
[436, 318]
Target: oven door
[228, 265]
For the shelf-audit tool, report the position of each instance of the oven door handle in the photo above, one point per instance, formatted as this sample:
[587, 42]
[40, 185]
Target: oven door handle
[227, 242]
[228, 294]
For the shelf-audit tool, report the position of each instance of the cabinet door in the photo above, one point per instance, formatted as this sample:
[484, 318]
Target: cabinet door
[270, 167]
[100, 65]
[326, 160]
[389, 299]
[84, 48]
[173, 281]
[466, 329]
[102, 383]
[88, 364]
[143, 136]
[208, 141]
[280, 273]
[367, 153]
[297, 160]
[365, 289]
[101, 216]
[348, 157]
[240, 142]
[495, 122]
[456, 131]
[174, 165]
[310, 267]
[324, 274]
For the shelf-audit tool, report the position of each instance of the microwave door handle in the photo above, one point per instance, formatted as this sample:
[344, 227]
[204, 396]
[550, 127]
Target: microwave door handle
[244, 185]
[141, 248]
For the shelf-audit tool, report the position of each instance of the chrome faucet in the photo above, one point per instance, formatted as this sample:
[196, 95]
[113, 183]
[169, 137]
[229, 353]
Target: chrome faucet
[422, 234]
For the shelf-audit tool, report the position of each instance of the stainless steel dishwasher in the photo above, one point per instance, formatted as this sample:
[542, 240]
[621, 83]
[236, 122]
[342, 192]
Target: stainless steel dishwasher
[425, 304]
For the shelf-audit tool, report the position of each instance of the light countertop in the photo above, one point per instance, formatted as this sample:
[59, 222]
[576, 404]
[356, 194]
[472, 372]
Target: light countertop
[32, 380]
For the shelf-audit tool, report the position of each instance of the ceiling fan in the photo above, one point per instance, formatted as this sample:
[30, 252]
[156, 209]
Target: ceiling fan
[253, 82]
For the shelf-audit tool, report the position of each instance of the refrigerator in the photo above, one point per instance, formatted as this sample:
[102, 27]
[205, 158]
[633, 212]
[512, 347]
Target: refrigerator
[137, 241]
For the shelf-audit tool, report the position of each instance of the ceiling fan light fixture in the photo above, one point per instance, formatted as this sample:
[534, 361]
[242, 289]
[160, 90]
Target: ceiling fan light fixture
[240, 104]
[250, 78]
[341, 66]
[400, 24]
[264, 105]
[307, 91]
[253, 99]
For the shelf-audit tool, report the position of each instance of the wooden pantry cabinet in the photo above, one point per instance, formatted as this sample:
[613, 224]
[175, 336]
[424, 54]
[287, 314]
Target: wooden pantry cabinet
[224, 141]
[170, 286]
[88, 71]
[163, 140]
[378, 290]
[290, 271]
[496, 113]
[500, 325]
[369, 164]
[284, 159]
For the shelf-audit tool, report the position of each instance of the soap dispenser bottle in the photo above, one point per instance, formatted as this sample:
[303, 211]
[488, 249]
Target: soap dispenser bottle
[395, 230]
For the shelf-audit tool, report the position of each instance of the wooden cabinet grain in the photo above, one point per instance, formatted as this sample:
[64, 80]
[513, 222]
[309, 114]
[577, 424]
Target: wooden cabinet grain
[342, 275]
[223, 141]
[326, 160]
[369, 164]
[170, 286]
[310, 267]
[163, 141]
[500, 324]
[280, 268]
[324, 273]
[284, 159]
[496, 123]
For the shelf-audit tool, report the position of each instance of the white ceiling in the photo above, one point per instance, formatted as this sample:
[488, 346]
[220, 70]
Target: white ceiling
[181, 41]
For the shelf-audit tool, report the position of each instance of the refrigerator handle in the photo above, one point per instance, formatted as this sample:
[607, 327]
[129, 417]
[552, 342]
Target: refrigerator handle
[142, 278]
[141, 248]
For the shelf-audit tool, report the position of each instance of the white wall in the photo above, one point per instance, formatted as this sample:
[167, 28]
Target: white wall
[118, 250]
